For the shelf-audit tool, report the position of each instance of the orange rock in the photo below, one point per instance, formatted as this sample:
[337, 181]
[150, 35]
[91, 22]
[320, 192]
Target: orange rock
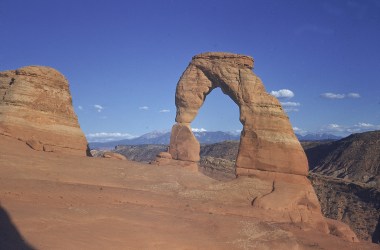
[267, 141]
[183, 144]
[113, 155]
[34, 144]
[341, 230]
[36, 104]
[268, 150]
[164, 155]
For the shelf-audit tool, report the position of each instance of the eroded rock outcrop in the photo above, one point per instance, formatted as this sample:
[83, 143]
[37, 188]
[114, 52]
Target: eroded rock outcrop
[268, 150]
[267, 141]
[36, 107]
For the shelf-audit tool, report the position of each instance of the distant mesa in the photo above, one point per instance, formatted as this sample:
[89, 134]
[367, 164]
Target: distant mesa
[355, 157]
[36, 107]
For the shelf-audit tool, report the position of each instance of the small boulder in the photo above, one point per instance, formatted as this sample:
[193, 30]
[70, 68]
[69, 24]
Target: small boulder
[113, 155]
[165, 155]
[341, 230]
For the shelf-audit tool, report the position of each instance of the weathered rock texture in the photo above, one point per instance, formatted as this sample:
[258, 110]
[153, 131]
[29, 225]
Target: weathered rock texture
[268, 150]
[267, 141]
[36, 107]
[113, 155]
[354, 203]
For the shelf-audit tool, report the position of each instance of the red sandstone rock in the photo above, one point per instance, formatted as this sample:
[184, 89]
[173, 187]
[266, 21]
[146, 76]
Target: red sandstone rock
[164, 155]
[36, 104]
[341, 230]
[183, 144]
[269, 149]
[113, 155]
[34, 144]
[267, 141]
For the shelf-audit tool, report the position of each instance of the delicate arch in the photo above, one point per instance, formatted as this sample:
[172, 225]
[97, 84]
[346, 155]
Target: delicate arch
[267, 140]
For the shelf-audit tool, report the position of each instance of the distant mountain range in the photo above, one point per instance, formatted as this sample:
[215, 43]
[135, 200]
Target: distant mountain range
[318, 137]
[204, 137]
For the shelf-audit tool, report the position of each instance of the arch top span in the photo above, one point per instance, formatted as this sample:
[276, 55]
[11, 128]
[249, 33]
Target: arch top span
[238, 60]
[267, 141]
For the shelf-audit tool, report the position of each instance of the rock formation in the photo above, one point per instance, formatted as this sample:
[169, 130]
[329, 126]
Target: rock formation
[268, 150]
[36, 107]
[113, 155]
[267, 141]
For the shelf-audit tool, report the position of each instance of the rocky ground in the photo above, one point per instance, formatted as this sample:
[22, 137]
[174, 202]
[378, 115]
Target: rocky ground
[352, 201]
[58, 201]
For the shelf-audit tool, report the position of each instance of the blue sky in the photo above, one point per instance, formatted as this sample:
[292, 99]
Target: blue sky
[123, 58]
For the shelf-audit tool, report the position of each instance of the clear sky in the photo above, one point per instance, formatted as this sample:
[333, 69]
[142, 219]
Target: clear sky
[123, 58]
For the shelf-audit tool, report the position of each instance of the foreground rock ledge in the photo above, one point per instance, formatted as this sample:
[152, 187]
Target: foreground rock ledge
[36, 107]
[97, 203]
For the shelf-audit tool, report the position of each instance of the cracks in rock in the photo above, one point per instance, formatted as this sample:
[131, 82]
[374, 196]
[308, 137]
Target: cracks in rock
[7, 88]
[262, 196]
[176, 144]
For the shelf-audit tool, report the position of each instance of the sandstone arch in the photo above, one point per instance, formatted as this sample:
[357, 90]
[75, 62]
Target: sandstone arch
[267, 141]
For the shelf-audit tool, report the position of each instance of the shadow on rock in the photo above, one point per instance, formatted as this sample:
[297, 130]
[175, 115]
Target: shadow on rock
[10, 237]
[376, 234]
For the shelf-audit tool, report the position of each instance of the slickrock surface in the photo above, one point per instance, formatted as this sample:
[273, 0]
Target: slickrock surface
[267, 141]
[36, 107]
[60, 201]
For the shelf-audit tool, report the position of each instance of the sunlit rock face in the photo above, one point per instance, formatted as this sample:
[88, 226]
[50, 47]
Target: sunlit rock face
[36, 107]
[267, 141]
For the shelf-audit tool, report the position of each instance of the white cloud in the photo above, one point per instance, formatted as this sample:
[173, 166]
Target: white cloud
[80, 107]
[105, 136]
[290, 104]
[364, 125]
[334, 127]
[329, 95]
[282, 93]
[299, 131]
[291, 110]
[353, 95]
[164, 111]
[198, 130]
[98, 107]
[144, 108]
[344, 129]
[332, 96]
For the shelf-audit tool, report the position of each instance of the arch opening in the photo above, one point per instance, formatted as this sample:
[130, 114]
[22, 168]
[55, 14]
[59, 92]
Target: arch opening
[219, 116]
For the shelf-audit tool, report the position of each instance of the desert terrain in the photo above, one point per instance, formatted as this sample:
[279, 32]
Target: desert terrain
[53, 196]
[60, 201]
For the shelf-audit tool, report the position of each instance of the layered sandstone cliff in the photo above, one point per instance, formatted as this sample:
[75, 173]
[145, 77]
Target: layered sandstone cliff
[36, 107]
